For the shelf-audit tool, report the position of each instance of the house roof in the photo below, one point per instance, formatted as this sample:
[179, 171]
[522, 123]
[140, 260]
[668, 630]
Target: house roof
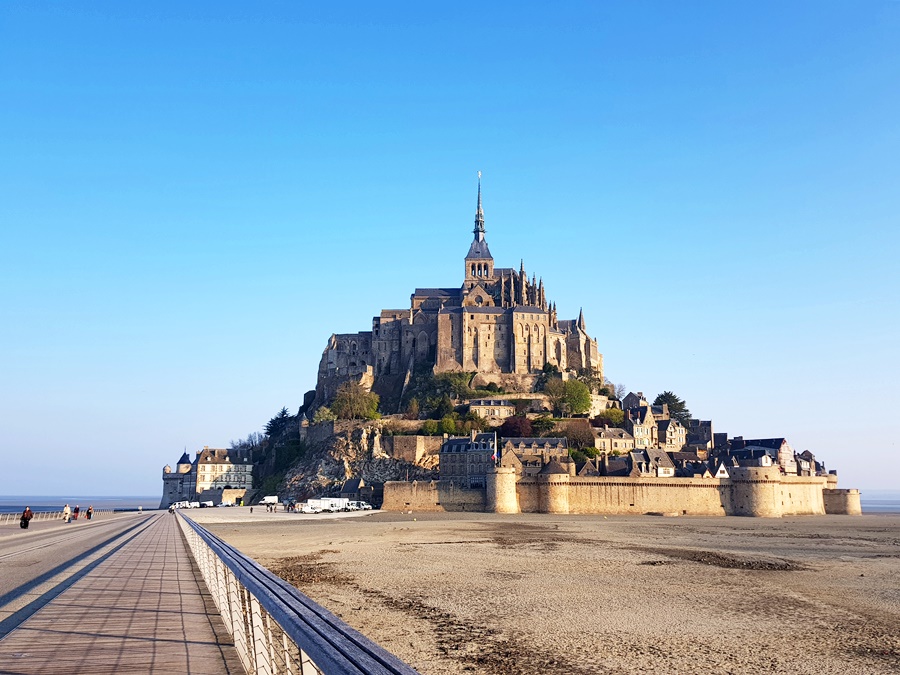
[637, 415]
[220, 456]
[537, 443]
[481, 442]
[435, 293]
[660, 458]
[616, 466]
[613, 432]
[479, 250]
[352, 485]
[774, 443]
[553, 467]
[490, 401]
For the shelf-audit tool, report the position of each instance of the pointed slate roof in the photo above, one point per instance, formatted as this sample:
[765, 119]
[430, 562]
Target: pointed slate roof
[553, 467]
[479, 249]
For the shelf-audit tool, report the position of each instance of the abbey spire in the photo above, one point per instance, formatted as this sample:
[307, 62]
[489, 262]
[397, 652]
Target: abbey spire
[479, 262]
[479, 215]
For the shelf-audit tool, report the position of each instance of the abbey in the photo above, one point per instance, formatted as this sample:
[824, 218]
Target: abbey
[497, 324]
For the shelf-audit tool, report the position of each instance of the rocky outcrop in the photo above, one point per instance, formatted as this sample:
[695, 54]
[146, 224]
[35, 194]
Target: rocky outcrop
[354, 450]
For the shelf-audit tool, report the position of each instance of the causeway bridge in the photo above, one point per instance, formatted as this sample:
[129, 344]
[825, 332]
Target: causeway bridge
[156, 593]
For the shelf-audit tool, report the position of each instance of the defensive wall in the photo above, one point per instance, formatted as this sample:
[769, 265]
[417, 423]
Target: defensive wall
[760, 492]
[431, 496]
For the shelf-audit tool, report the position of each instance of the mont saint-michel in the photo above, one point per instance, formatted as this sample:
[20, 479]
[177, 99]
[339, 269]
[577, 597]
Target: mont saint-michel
[479, 397]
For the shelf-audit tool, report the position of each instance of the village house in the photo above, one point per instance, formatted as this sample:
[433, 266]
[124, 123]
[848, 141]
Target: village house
[654, 463]
[640, 423]
[670, 435]
[465, 460]
[494, 411]
[612, 440]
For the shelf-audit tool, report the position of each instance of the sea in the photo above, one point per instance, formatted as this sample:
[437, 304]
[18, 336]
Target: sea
[40, 503]
[880, 501]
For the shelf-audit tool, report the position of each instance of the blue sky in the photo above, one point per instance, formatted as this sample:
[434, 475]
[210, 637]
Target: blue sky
[192, 199]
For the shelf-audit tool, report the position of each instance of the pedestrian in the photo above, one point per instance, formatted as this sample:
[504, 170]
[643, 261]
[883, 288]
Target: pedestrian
[251, 509]
[90, 512]
[75, 512]
[27, 515]
[67, 514]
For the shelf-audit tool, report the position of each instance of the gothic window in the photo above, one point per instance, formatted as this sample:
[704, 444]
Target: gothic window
[473, 270]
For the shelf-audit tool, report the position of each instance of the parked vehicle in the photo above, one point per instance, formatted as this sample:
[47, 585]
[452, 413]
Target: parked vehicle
[360, 506]
[337, 503]
[269, 499]
[193, 505]
[319, 504]
[206, 505]
[306, 507]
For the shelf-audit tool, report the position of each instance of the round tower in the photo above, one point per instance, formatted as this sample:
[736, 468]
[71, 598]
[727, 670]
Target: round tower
[553, 487]
[754, 492]
[501, 490]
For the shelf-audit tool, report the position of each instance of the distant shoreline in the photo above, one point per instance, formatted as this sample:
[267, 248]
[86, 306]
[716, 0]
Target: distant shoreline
[44, 503]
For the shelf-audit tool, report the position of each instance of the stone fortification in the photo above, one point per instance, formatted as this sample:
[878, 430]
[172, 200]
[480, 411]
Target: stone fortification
[431, 496]
[752, 491]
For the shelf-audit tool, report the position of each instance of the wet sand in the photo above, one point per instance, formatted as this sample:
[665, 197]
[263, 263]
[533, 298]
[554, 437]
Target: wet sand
[529, 594]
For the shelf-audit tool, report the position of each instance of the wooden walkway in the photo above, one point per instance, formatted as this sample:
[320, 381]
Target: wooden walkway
[142, 610]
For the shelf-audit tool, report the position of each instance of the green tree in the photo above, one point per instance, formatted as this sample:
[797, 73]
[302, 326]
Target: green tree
[443, 407]
[430, 428]
[542, 425]
[323, 414]
[613, 417]
[555, 390]
[354, 402]
[447, 425]
[412, 409]
[578, 397]
[591, 379]
[275, 425]
[549, 373]
[678, 409]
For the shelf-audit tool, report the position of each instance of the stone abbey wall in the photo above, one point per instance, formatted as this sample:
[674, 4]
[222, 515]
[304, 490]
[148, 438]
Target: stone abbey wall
[760, 492]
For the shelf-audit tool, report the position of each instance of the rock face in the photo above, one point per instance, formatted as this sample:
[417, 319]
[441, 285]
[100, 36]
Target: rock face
[354, 450]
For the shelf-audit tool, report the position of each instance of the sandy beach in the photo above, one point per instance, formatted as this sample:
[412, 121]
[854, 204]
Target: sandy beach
[487, 593]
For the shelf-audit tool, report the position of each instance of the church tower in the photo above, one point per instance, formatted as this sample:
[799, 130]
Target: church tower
[479, 262]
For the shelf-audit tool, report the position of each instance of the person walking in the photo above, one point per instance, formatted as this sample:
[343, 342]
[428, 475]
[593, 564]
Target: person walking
[75, 512]
[67, 514]
[27, 515]
[90, 512]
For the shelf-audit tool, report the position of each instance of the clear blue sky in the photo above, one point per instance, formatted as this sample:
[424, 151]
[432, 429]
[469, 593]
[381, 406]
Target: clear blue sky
[193, 198]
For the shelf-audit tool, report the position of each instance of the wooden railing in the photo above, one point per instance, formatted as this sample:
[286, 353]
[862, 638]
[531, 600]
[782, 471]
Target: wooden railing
[277, 629]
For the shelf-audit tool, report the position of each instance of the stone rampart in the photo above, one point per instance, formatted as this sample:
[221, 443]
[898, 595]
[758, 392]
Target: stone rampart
[842, 502]
[431, 496]
[760, 492]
